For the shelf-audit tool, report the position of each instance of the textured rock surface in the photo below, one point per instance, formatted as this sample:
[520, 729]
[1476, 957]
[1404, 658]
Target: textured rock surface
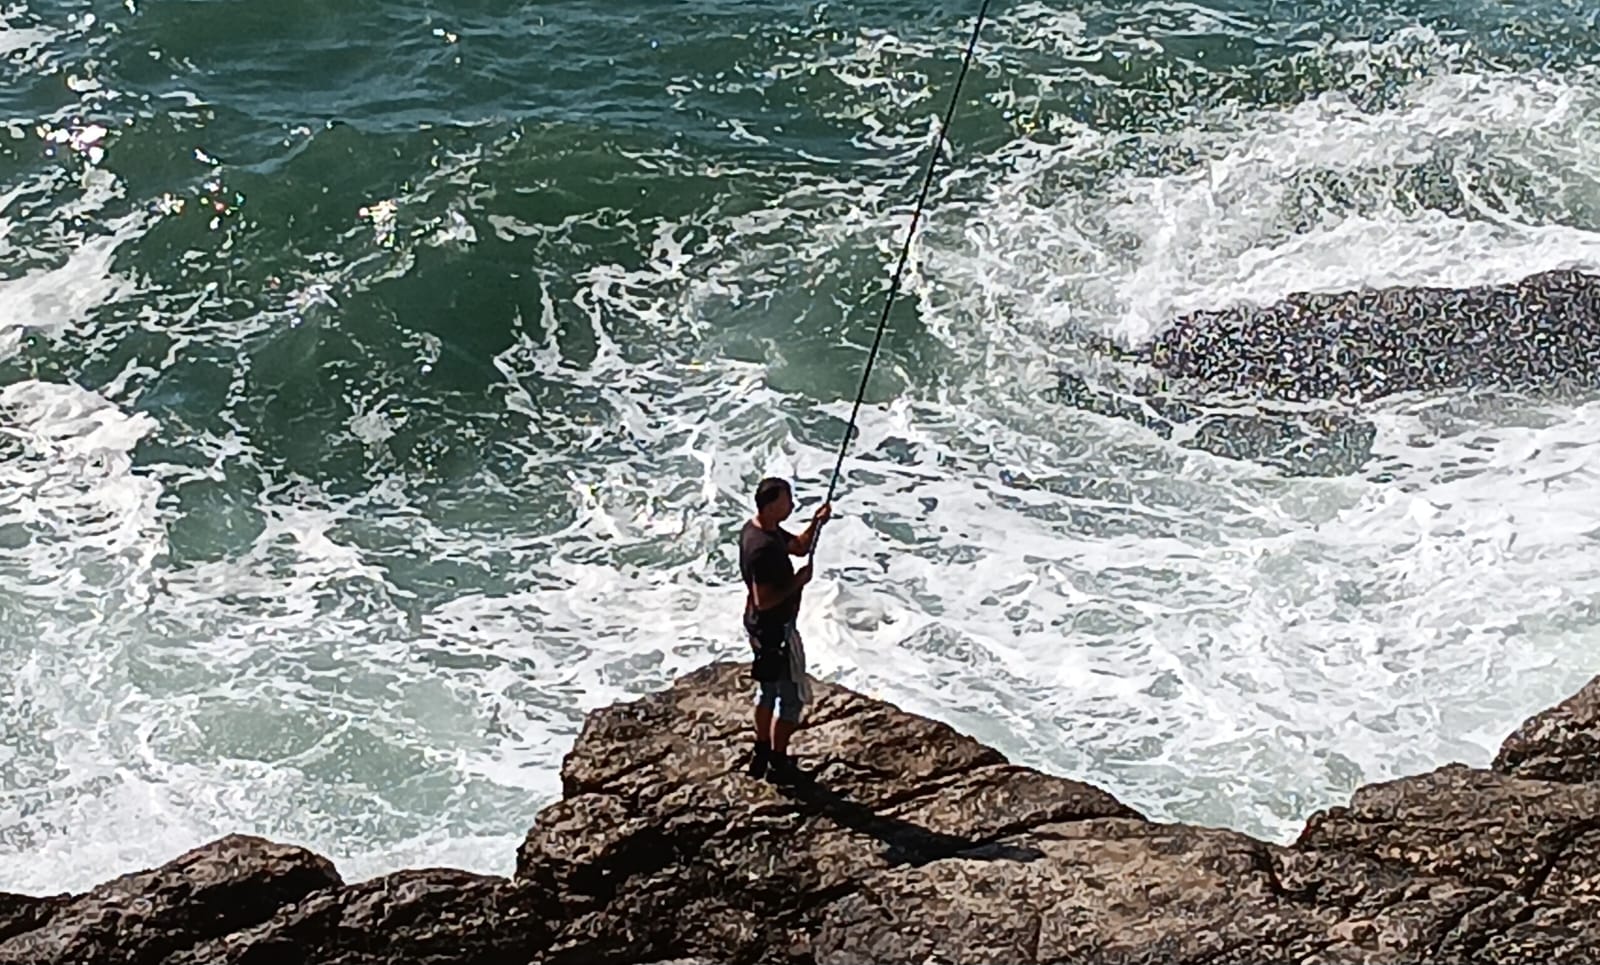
[408, 918]
[1135, 892]
[1307, 364]
[142, 918]
[670, 848]
[910, 843]
[1561, 744]
[917, 845]
[1370, 343]
[23, 913]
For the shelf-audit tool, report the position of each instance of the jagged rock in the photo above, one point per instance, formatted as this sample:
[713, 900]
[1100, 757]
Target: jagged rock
[1129, 892]
[1530, 843]
[1561, 744]
[23, 913]
[663, 846]
[140, 919]
[911, 843]
[427, 917]
[1474, 825]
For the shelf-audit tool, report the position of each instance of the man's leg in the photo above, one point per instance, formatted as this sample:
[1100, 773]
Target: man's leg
[761, 752]
[789, 710]
[788, 721]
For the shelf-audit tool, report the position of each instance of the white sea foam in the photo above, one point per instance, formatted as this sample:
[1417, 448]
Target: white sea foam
[83, 535]
[1210, 641]
[1206, 639]
[22, 44]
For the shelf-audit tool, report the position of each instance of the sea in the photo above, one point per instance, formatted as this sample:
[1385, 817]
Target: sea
[383, 386]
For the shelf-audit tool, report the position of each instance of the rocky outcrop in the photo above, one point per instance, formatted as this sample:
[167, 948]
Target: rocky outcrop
[141, 919]
[907, 842]
[20, 914]
[662, 844]
[1561, 744]
[1522, 851]
[415, 917]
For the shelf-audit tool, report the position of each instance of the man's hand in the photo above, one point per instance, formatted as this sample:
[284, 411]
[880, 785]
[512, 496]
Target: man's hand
[801, 545]
[802, 576]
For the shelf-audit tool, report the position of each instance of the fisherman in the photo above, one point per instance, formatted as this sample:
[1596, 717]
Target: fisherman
[772, 605]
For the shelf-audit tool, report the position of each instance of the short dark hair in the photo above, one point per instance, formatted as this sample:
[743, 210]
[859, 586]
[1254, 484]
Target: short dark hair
[769, 489]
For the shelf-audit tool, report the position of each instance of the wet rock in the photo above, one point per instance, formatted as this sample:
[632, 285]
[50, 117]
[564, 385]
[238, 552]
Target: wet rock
[1369, 343]
[1288, 384]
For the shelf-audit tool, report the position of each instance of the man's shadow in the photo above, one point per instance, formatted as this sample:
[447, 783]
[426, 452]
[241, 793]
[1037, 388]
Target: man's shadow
[907, 843]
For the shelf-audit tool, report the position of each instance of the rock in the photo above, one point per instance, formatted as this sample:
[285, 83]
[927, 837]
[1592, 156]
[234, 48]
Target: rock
[1474, 825]
[908, 843]
[140, 919]
[916, 844]
[1561, 744]
[427, 917]
[1125, 891]
[663, 846]
[1370, 343]
[1288, 384]
[22, 913]
[1529, 846]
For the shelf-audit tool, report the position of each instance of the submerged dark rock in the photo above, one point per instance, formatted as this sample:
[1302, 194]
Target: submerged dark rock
[1367, 344]
[909, 842]
[1287, 384]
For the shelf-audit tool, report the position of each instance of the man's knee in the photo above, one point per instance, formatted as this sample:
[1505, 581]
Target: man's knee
[790, 707]
[782, 696]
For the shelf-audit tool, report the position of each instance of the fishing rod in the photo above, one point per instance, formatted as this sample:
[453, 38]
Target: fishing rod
[905, 253]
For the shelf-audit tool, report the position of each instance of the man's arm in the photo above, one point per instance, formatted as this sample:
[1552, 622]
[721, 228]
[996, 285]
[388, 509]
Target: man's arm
[801, 545]
[772, 583]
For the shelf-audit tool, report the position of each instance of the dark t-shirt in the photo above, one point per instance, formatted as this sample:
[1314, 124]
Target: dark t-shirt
[764, 558]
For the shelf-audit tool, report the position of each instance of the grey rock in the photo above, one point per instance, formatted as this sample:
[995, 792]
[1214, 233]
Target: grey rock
[907, 842]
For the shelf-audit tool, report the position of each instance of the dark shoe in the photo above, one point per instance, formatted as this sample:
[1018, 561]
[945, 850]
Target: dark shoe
[760, 757]
[783, 770]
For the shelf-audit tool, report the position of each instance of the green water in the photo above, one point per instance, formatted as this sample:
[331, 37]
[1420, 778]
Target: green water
[385, 383]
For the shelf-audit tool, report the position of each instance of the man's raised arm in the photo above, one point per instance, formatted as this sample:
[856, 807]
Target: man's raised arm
[801, 545]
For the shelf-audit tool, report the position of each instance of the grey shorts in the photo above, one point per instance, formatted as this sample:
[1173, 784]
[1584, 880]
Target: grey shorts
[784, 695]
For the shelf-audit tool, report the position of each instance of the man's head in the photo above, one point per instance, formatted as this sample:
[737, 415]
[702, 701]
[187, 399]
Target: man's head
[774, 500]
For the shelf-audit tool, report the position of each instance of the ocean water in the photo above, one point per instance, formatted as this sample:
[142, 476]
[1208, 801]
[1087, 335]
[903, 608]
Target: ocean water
[382, 386]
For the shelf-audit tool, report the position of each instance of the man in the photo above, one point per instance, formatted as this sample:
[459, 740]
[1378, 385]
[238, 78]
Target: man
[772, 605]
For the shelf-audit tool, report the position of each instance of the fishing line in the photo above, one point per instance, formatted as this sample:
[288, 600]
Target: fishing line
[905, 252]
